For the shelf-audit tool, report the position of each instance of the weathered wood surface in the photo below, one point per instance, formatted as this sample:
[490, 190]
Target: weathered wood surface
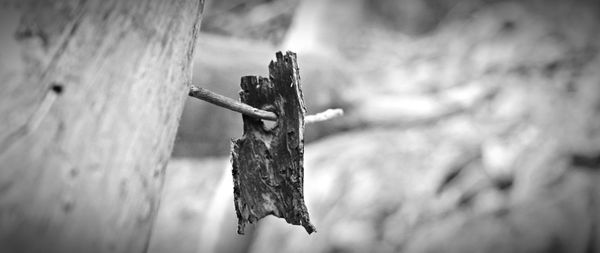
[268, 170]
[90, 97]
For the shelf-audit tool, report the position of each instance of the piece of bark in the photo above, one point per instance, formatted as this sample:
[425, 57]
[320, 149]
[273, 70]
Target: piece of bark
[268, 170]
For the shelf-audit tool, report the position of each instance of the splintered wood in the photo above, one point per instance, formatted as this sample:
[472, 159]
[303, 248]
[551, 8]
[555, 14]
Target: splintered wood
[268, 170]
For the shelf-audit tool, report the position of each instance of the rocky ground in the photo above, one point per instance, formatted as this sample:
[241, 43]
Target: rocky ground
[475, 127]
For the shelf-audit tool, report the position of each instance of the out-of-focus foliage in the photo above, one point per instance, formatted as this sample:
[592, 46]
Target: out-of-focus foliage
[471, 126]
[252, 19]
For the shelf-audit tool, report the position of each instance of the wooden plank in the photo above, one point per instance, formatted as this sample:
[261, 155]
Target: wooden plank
[90, 100]
[268, 169]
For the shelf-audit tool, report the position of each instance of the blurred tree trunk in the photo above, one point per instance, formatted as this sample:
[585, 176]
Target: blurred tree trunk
[90, 97]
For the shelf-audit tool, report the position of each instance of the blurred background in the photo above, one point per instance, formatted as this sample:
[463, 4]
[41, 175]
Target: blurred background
[470, 126]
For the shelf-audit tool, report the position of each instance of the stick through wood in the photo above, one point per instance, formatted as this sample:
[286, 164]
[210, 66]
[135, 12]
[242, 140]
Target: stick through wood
[236, 106]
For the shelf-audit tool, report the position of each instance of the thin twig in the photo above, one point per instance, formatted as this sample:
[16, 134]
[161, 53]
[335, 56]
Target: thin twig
[323, 116]
[228, 103]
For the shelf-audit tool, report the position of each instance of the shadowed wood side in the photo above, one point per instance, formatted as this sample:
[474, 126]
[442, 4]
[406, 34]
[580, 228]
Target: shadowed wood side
[90, 97]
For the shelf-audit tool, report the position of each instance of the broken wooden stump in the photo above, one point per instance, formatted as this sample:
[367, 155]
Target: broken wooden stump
[268, 170]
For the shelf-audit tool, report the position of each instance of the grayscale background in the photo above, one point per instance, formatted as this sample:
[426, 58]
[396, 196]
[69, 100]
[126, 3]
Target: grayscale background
[470, 126]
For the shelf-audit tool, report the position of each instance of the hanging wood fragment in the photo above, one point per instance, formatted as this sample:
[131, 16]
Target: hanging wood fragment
[268, 170]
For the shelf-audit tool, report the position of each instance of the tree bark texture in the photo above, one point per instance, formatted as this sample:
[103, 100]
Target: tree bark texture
[268, 171]
[90, 99]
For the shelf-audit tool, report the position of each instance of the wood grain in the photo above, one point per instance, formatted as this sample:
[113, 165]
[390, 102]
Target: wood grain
[91, 95]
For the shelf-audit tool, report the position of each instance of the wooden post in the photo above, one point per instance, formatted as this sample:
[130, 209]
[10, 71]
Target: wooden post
[90, 97]
[268, 170]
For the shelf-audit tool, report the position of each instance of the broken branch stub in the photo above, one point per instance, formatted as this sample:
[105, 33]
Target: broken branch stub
[268, 170]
